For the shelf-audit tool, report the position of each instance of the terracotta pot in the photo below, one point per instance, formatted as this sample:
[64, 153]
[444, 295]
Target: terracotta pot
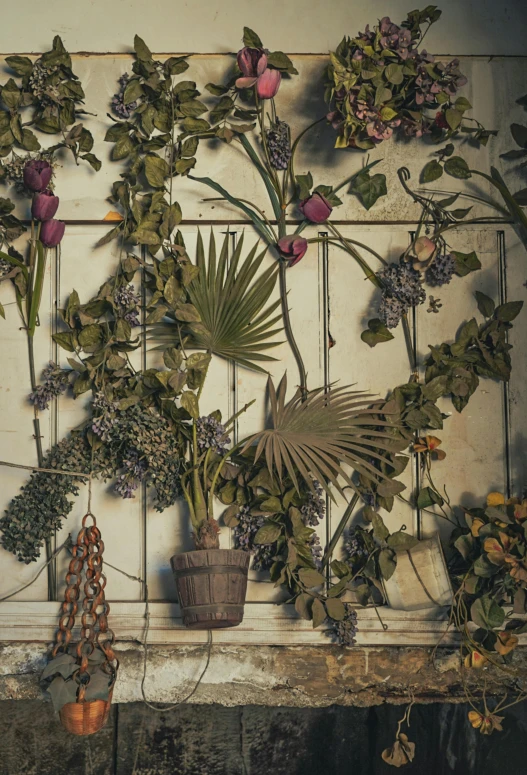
[211, 586]
[85, 718]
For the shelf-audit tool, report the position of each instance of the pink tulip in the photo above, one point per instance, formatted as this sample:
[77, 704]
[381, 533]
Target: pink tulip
[268, 83]
[292, 249]
[253, 64]
[37, 174]
[316, 208]
[52, 232]
[44, 206]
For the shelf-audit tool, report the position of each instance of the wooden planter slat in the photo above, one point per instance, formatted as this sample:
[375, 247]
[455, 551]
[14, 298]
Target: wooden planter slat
[211, 586]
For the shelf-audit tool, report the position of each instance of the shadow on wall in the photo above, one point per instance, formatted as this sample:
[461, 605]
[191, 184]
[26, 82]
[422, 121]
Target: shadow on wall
[253, 740]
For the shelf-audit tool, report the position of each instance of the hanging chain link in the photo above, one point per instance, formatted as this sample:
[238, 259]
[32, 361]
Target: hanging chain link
[87, 555]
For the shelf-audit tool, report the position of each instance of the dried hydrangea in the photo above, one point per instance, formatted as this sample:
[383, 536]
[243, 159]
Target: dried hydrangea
[279, 144]
[134, 473]
[344, 631]
[380, 81]
[441, 271]
[211, 434]
[42, 84]
[126, 303]
[401, 289]
[314, 507]
[54, 383]
[244, 533]
[122, 109]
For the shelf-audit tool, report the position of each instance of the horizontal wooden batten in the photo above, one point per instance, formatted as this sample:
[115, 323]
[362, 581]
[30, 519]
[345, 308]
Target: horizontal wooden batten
[263, 624]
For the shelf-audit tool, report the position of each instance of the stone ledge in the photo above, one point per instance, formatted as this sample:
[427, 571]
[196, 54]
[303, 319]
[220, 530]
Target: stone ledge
[296, 676]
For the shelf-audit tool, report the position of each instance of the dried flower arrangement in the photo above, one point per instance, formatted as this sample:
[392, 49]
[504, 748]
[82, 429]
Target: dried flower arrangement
[209, 307]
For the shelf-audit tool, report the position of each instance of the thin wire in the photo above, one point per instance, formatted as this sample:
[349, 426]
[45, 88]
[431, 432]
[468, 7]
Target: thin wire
[67, 542]
[45, 470]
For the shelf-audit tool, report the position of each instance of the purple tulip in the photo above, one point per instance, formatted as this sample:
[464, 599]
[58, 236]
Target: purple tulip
[268, 83]
[292, 249]
[52, 232]
[37, 174]
[316, 208]
[44, 206]
[252, 62]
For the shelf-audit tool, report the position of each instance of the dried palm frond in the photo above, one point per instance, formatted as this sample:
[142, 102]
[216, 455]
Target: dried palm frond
[316, 435]
[231, 301]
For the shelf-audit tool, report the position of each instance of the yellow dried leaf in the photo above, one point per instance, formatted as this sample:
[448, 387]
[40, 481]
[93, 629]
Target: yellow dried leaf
[476, 526]
[495, 499]
[506, 642]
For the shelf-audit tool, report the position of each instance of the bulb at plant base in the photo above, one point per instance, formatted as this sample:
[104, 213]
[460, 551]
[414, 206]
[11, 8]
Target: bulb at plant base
[37, 174]
[45, 205]
[292, 248]
[316, 208]
[52, 232]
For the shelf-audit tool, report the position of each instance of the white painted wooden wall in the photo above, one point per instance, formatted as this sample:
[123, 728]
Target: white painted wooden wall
[485, 445]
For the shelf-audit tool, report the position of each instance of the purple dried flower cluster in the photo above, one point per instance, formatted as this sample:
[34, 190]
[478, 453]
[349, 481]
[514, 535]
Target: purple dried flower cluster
[314, 507]
[244, 534]
[279, 144]
[135, 472]
[401, 289]
[126, 303]
[344, 631]
[54, 382]
[211, 434]
[353, 547]
[122, 109]
[372, 92]
[315, 548]
[104, 417]
[441, 271]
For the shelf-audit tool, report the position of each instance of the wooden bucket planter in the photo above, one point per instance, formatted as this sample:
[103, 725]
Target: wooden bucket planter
[85, 718]
[421, 578]
[211, 586]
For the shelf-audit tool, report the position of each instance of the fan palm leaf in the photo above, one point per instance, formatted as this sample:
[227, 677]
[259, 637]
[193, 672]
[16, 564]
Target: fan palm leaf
[315, 435]
[232, 302]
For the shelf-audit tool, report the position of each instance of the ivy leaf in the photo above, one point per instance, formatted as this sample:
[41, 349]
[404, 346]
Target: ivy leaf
[141, 49]
[310, 577]
[335, 608]
[93, 161]
[369, 188]
[401, 540]
[485, 304]
[486, 613]
[172, 358]
[387, 563]
[431, 171]
[466, 262]
[377, 333]
[251, 39]
[189, 402]
[319, 613]
[156, 170]
[454, 118]
[303, 605]
[457, 168]
[269, 533]
[281, 61]
[380, 531]
[305, 184]
[507, 312]
[21, 65]
[518, 132]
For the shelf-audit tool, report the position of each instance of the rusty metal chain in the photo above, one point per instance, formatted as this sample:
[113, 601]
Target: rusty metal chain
[87, 555]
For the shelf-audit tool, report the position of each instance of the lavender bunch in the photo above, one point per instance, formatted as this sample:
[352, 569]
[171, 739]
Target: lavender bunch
[401, 289]
[344, 631]
[122, 109]
[126, 303]
[54, 382]
[211, 434]
[314, 507]
[104, 416]
[279, 144]
[441, 271]
[354, 547]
